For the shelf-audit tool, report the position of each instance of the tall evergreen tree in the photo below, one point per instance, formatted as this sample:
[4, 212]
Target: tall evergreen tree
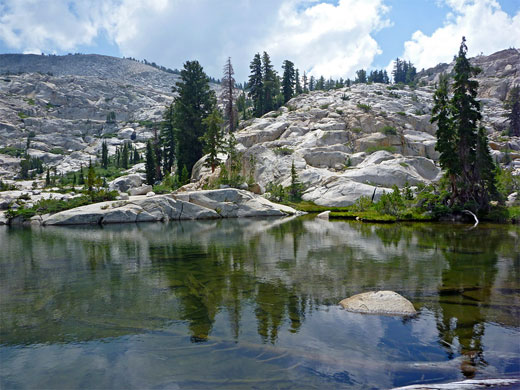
[125, 156]
[312, 83]
[150, 163]
[305, 84]
[256, 85]
[194, 103]
[513, 104]
[167, 139]
[297, 86]
[228, 87]
[269, 81]
[104, 155]
[288, 80]
[462, 142]
[361, 76]
[212, 139]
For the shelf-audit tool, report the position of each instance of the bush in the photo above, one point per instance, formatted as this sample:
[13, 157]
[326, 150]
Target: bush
[364, 107]
[324, 106]
[373, 149]
[391, 203]
[283, 151]
[363, 203]
[12, 151]
[388, 130]
[402, 113]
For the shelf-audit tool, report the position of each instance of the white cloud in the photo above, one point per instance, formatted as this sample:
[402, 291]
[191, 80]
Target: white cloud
[486, 27]
[323, 38]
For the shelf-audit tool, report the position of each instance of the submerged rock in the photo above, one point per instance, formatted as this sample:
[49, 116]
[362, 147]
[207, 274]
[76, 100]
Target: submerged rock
[379, 302]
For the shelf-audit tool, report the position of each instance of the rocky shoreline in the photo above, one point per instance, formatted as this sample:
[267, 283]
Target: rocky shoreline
[209, 204]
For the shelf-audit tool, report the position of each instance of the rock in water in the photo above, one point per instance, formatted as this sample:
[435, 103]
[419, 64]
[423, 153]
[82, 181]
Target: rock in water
[324, 215]
[379, 302]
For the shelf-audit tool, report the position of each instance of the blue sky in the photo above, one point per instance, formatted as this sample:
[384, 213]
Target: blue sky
[333, 38]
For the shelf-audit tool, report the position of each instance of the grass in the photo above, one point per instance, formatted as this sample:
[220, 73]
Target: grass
[388, 130]
[12, 151]
[402, 113]
[324, 106]
[373, 149]
[57, 151]
[364, 107]
[23, 115]
[283, 151]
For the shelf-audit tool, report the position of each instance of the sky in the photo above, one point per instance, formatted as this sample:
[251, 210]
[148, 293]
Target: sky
[333, 38]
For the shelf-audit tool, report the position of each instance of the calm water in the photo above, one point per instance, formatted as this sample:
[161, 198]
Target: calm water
[253, 304]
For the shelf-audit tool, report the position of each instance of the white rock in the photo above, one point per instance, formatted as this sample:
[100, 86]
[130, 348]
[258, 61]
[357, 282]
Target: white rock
[379, 302]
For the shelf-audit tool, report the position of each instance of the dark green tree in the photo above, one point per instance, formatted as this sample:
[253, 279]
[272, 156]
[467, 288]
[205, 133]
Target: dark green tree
[124, 156]
[194, 103]
[305, 83]
[81, 179]
[167, 139]
[288, 80]
[298, 90]
[270, 84]
[256, 85]
[104, 155]
[462, 142]
[320, 84]
[185, 176]
[150, 163]
[48, 178]
[312, 83]
[212, 139]
[296, 188]
[91, 177]
[361, 76]
[228, 95]
[513, 104]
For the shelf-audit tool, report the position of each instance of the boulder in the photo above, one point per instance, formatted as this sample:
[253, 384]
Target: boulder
[124, 183]
[324, 215]
[379, 302]
[142, 190]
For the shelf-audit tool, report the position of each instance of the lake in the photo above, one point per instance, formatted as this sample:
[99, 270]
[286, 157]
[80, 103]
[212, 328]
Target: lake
[253, 303]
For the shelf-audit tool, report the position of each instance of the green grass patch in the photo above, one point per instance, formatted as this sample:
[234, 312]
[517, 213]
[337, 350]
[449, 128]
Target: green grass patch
[388, 130]
[12, 151]
[23, 115]
[373, 149]
[283, 151]
[324, 106]
[402, 113]
[30, 102]
[364, 107]
[57, 151]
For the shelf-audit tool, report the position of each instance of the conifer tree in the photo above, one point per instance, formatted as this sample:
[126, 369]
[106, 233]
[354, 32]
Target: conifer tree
[256, 85]
[269, 82]
[150, 163]
[228, 87]
[167, 140]
[212, 139]
[124, 156]
[194, 103]
[295, 190]
[288, 80]
[297, 86]
[361, 76]
[305, 84]
[104, 155]
[312, 83]
[81, 179]
[91, 177]
[461, 141]
[185, 176]
[513, 104]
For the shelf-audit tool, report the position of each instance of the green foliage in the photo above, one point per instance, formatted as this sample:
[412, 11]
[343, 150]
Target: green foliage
[12, 151]
[324, 106]
[6, 186]
[507, 183]
[363, 203]
[185, 176]
[404, 72]
[390, 203]
[150, 163]
[394, 95]
[288, 80]
[296, 187]
[364, 107]
[283, 151]
[52, 206]
[111, 117]
[104, 155]
[401, 113]
[195, 102]
[213, 139]
[373, 149]
[30, 102]
[277, 193]
[169, 183]
[388, 130]
[513, 105]
[23, 115]
[57, 151]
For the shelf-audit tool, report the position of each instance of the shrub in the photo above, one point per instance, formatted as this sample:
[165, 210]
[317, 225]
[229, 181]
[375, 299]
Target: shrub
[391, 203]
[373, 149]
[364, 107]
[30, 102]
[402, 113]
[57, 151]
[324, 106]
[388, 130]
[394, 95]
[363, 203]
[12, 151]
[23, 115]
[283, 151]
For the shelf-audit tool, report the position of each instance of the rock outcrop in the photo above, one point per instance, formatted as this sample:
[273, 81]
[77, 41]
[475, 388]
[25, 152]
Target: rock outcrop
[379, 302]
[227, 203]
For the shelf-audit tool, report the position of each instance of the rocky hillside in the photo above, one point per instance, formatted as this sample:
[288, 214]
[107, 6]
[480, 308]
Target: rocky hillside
[344, 143]
[365, 139]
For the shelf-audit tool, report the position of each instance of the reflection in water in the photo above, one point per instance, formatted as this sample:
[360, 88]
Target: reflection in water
[261, 295]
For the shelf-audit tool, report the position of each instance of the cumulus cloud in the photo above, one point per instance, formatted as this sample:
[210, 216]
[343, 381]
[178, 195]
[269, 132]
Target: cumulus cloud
[486, 27]
[321, 38]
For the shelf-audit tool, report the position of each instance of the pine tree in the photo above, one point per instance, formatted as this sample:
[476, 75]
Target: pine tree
[194, 103]
[269, 81]
[461, 141]
[312, 83]
[297, 86]
[228, 86]
[104, 155]
[361, 76]
[305, 85]
[136, 158]
[288, 80]
[150, 163]
[185, 176]
[124, 156]
[91, 177]
[167, 139]
[256, 85]
[48, 178]
[212, 139]
[81, 179]
[295, 190]
[446, 137]
[513, 104]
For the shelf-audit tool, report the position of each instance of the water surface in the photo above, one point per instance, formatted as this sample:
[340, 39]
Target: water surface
[252, 303]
